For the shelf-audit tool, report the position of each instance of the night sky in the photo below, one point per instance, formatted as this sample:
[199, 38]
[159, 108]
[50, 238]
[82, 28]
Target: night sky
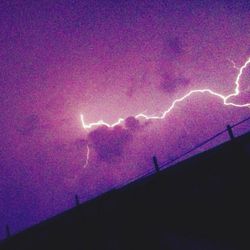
[106, 60]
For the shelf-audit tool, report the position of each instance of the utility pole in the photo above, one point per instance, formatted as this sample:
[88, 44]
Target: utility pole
[230, 132]
[7, 231]
[156, 165]
[77, 200]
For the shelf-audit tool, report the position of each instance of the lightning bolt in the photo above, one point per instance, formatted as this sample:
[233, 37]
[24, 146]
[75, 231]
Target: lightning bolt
[234, 64]
[87, 157]
[225, 100]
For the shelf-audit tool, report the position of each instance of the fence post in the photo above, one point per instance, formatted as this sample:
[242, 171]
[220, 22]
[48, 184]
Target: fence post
[7, 231]
[230, 132]
[156, 165]
[77, 200]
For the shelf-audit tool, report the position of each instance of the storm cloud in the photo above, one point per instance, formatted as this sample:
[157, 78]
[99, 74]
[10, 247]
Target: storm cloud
[106, 60]
[170, 83]
[109, 144]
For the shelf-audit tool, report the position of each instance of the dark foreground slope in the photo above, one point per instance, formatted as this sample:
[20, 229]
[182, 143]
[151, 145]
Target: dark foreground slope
[198, 204]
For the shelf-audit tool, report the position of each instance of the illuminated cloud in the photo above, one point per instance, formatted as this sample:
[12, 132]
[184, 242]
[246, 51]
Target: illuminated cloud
[132, 123]
[171, 83]
[176, 46]
[109, 143]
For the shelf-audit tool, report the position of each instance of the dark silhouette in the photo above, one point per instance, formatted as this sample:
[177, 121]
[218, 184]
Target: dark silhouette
[77, 200]
[156, 165]
[200, 203]
[230, 132]
[7, 231]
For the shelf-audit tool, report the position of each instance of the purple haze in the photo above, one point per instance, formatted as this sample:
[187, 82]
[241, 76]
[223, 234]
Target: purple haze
[108, 59]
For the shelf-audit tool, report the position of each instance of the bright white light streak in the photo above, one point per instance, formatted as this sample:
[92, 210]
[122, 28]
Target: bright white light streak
[225, 100]
[87, 157]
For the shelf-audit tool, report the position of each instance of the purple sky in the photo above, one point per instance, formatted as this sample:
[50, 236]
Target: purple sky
[108, 59]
